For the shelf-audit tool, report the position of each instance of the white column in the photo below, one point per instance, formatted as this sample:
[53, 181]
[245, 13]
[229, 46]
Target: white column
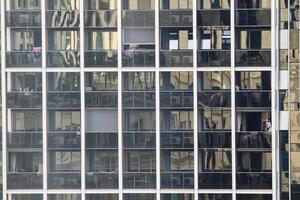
[289, 100]
[195, 100]
[120, 146]
[157, 99]
[277, 71]
[233, 115]
[44, 99]
[3, 93]
[82, 99]
[274, 79]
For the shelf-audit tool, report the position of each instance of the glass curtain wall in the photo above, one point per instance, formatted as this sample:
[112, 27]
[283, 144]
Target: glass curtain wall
[177, 125]
[93, 99]
[139, 158]
[294, 99]
[138, 33]
[101, 132]
[63, 134]
[23, 33]
[253, 33]
[101, 41]
[284, 99]
[253, 121]
[289, 98]
[214, 36]
[176, 33]
[214, 126]
[24, 130]
[62, 22]
[253, 130]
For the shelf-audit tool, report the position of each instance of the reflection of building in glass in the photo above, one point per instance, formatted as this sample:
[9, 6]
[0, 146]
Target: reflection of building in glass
[149, 100]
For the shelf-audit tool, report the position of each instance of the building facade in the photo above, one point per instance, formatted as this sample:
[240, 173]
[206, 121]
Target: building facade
[150, 99]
